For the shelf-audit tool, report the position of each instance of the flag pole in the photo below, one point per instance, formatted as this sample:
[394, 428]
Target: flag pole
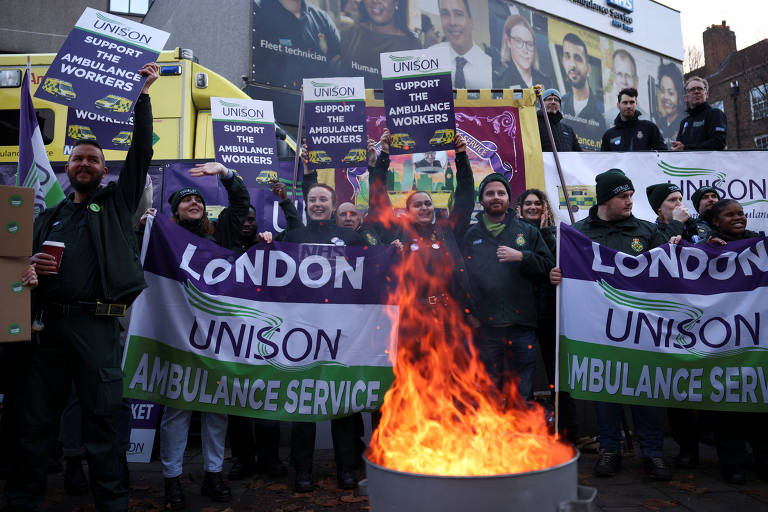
[299, 138]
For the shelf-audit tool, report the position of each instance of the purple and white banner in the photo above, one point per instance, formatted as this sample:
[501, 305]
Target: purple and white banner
[677, 326]
[108, 132]
[244, 138]
[418, 100]
[283, 331]
[97, 67]
[334, 117]
[144, 419]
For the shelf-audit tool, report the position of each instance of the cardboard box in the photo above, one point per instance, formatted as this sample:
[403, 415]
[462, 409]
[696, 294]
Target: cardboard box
[17, 217]
[15, 315]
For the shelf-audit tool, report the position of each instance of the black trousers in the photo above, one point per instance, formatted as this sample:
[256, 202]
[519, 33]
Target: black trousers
[348, 445]
[733, 430]
[254, 438]
[86, 350]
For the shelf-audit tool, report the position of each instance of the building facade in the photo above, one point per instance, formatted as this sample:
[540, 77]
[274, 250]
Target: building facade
[738, 84]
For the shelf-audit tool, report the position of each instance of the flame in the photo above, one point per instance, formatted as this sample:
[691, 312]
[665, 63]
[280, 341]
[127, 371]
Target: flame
[444, 415]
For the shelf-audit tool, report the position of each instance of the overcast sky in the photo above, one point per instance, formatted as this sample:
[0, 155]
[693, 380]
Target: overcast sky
[745, 17]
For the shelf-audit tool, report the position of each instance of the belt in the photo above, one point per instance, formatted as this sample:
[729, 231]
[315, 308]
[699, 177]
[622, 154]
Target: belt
[81, 308]
[435, 299]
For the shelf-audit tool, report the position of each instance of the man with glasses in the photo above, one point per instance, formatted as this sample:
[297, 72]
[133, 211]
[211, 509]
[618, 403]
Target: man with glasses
[470, 65]
[624, 70]
[705, 127]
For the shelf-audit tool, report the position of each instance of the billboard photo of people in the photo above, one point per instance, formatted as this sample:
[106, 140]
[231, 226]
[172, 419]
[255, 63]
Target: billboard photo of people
[382, 27]
[577, 51]
[669, 106]
[471, 66]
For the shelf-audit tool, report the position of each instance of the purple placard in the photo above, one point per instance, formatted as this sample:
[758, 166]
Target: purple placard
[97, 67]
[145, 414]
[108, 132]
[335, 118]
[244, 138]
[418, 100]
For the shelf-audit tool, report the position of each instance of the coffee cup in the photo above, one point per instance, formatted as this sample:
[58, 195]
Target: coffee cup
[55, 249]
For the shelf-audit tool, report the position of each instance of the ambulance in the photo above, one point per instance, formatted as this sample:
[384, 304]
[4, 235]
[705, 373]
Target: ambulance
[181, 105]
[80, 132]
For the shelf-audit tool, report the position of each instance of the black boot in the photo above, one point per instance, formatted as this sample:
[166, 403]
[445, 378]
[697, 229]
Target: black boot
[174, 495]
[75, 481]
[215, 488]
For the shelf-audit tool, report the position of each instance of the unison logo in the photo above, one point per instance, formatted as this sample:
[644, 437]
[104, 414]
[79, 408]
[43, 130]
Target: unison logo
[747, 191]
[411, 63]
[235, 109]
[116, 27]
[329, 90]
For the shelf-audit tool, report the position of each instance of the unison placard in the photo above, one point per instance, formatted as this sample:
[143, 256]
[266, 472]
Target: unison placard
[97, 67]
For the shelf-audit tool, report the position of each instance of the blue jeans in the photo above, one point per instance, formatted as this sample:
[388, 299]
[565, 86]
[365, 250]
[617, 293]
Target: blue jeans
[647, 421]
[174, 428]
[508, 351]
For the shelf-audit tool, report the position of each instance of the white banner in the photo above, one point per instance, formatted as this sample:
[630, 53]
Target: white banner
[738, 175]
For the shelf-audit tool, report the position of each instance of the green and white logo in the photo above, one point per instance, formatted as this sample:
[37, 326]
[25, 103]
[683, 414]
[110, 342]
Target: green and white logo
[689, 172]
[17, 287]
[15, 201]
[14, 329]
[12, 227]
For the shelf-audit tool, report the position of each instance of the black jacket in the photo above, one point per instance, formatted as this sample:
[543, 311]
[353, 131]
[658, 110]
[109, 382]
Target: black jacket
[110, 220]
[228, 227]
[633, 135]
[565, 138]
[505, 293]
[448, 232]
[321, 232]
[630, 235]
[703, 129]
[688, 229]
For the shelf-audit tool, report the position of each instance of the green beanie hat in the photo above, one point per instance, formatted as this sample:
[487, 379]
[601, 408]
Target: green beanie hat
[611, 183]
[494, 176]
[658, 193]
[696, 197]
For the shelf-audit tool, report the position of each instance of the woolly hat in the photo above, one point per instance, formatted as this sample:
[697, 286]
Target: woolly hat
[494, 176]
[550, 92]
[611, 183]
[658, 193]
[696, 197]
[177, 196]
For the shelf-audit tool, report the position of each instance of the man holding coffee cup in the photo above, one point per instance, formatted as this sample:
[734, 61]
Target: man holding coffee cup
[87, 260]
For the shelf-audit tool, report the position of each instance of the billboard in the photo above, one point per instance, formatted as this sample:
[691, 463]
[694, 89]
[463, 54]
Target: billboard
[492, 44]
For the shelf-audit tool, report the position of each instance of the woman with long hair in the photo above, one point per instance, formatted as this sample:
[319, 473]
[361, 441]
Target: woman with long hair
[533, 206]
[670, 104]
[189, 211]
[518, 53]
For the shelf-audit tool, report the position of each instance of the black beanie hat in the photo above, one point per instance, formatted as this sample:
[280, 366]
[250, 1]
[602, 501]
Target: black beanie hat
[177, 196]
[494, 176]
[658, 193]
[611, 183]
[696, 197]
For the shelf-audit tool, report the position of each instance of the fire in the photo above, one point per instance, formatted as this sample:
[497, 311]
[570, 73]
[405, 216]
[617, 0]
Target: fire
[444, 415]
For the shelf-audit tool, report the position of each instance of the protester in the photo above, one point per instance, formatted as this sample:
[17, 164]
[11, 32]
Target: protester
[705, 126]
[253, 439]
[419, 233]
[518, 53]
[611, 223]
[629, 132]
[703, 199]
[505, 258]
[320, 203]
[189, 211]
[734, 429]
[564, 136]
[666, 199]
[533, 207]
[76, 306]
